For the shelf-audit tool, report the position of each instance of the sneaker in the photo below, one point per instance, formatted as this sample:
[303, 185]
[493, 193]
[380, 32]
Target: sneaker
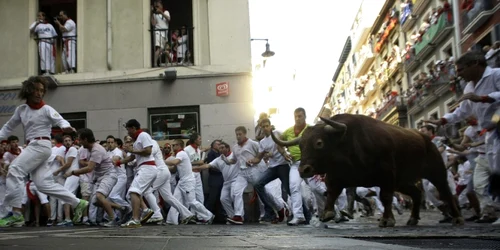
[12, 221]
[472, 218]
[236, 220]
[65, 223]
[78, 211]
[446, 219]
[50, 222]
[145, 215]
[207, 222]
[132, 224]
[125, 212]
[296, 221]
[113, 223]
[186, 220]
[154, 220]
[399, 209]
[496, 223]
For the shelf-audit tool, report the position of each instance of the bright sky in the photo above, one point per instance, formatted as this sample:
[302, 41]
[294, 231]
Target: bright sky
[307, 37]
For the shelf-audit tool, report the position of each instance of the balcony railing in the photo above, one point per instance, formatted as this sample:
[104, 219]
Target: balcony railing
[407, 19]
[394, 101]
[172, 47]
[476, 16]
[435, 31]
[366, 57]
[56, 55]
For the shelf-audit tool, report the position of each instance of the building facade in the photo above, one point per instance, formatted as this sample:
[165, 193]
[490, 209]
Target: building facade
[210, 92]
[369, 79]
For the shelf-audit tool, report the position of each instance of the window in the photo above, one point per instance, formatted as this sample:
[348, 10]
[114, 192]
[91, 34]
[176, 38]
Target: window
[180, 26]
[447, 50]
[76, 120]
[434, 114]
[449, 105]
[51, 8]
[174, 122]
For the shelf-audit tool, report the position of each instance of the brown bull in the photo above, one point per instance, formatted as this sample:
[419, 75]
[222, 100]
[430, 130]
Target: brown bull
[359, 151]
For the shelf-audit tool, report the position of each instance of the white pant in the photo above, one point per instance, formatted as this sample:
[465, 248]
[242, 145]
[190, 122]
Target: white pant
[46, 53]
[69, 53]
[227, 198]
[492, 143]
[200, 196]
[117, 194]
[162, 185]
[249, 175]
[295, 193]
[33, 161]
[481, 177]
[143, 179]
[185, 193]
[56, 205]
[318, 188]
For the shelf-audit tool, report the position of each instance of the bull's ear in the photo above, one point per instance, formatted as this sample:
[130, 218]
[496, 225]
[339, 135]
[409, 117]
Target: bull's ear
[333, 126]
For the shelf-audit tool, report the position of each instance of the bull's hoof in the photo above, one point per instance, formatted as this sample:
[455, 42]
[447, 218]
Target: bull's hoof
[412, 222]
[459, 221]
[387, 222]
[327, 216]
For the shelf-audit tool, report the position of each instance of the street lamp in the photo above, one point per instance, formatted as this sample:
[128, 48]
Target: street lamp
[268, 52]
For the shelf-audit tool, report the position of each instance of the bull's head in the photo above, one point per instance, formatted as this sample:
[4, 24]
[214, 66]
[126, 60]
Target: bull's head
[317, 146]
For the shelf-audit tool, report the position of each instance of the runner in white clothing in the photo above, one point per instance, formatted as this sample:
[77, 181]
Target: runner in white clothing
[37, 120]
[146, 171]
[185, 190]
[194, 153]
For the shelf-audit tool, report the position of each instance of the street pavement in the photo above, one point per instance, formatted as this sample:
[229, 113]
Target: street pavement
[360, 233]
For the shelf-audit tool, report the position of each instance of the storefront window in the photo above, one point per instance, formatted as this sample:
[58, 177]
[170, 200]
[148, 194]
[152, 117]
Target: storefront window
[171, 126]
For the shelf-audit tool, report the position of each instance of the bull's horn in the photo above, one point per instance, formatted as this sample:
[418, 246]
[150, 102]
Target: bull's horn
[337, 126]
[293, 142]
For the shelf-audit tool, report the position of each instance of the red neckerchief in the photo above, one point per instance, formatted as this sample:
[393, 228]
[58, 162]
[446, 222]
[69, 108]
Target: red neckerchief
[243, 142]
[228, 153]
[15, 152]
[194, 146]
[472, 122]
[67, 149]
[167, 155]
[137, 133]
[178, 151]
[297, 130]
[36, 106]
[58, 145]
[432, 137]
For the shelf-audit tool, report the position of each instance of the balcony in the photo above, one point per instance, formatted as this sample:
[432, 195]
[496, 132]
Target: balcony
[365, 61]
[411, 62]
[475, 17]
[384, 35]
[434, 34]
[427, 90]
[172, 47]
[420, 6]
[392, 104]
[56, 55]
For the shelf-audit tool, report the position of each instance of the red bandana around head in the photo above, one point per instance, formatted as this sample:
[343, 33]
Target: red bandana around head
[36, 106]
[137, 133]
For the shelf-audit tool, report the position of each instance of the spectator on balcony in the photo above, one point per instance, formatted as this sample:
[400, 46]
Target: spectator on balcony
[492, 55]
[182, 45]
[159, 19]
[46, 43]
[68, 29]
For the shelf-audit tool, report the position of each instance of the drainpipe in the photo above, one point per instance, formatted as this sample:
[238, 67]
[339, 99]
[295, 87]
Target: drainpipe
[109, 35]
[458, 34]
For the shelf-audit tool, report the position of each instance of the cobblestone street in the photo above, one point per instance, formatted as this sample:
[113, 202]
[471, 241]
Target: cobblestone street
[360, 233]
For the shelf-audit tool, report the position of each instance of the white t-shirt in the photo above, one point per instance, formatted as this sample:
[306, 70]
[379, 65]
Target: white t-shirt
[72, 152]
[102, 159]
[161, 21]
[158, 155]
[84, 154]
[70, 26]
[143, 141]
[119, 153]
[473, 133]
[464, 177]
[438, 141]
[184, 168]
[44, 30]
[245, 152]
[269, 146]
[194, 154]
[229, 172]
[9, 157]
[53, 162]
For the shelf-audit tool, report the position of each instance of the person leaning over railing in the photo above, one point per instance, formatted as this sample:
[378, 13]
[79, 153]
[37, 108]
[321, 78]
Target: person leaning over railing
[46, 43]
